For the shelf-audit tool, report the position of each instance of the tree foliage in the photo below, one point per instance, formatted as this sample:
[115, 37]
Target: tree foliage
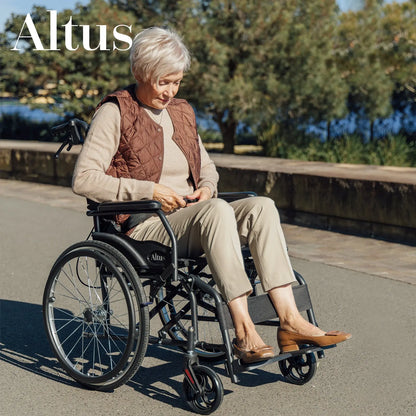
[273, 66]
[398, 55]
[69, 81]
[263, 65]
[370, 88]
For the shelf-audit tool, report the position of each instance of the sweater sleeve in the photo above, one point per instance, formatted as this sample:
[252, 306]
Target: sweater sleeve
[90, 178]
[209, 175]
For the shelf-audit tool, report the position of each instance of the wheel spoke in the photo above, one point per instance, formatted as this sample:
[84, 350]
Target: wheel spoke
[211, 391]
[299, 369]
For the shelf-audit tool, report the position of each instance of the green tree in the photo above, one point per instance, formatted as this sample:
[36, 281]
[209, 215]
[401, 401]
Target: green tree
[273, 66]
[263, 62]
[310, 86]
[398, 54]
[68, 80]
[370, 86]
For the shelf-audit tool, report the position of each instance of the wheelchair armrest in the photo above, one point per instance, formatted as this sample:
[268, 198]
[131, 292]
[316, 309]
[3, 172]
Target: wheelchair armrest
[135, 207]
[234, 196]
[148, 206]
[125, 207]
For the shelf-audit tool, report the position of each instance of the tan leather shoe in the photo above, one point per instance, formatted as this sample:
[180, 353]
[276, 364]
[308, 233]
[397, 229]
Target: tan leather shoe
[289, 341]
[254, 355]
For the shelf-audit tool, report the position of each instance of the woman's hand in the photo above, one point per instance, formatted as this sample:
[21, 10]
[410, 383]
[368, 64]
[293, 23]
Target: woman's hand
[169, 199]
[201, 194]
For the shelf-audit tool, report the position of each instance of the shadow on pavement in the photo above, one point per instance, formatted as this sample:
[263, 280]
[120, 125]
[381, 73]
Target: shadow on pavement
[150, 380]
[23, 343]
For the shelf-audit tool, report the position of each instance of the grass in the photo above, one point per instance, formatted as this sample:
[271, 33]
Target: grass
[392, 150]
[239, 149]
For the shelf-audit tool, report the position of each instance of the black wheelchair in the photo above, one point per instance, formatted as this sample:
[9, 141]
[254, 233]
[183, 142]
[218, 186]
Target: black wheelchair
[102, 293]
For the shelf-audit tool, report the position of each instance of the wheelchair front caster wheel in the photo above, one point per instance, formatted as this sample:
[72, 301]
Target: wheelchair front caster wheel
[204, 394]
[299, 369]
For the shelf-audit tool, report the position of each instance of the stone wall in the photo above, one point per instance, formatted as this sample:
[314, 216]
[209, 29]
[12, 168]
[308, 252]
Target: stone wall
[365, 200]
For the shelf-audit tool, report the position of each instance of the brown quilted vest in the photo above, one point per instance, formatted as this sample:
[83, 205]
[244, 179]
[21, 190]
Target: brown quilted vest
[140, 152]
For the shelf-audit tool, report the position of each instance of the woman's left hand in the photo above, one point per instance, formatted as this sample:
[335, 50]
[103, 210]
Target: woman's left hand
[201, 194]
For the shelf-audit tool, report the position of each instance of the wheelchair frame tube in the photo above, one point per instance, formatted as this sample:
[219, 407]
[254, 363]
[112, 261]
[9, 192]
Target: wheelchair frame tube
[174, 248]
[309, 312]
[223, 326]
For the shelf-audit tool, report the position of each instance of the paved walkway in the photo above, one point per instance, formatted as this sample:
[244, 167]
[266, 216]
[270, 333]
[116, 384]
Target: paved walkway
[375, 257]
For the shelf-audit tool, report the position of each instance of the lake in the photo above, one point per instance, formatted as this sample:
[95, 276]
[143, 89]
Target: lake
[13, 106]
[398, 121]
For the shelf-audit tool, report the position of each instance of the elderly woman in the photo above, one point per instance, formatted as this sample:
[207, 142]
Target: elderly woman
[143, 144]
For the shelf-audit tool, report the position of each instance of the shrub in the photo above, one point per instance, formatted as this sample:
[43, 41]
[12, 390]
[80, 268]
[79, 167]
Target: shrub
[390, 150]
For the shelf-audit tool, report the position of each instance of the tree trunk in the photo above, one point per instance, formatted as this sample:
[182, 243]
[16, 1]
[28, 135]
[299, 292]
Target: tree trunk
[228, 137]
[328, 131]
[371, 131]
[228, 128]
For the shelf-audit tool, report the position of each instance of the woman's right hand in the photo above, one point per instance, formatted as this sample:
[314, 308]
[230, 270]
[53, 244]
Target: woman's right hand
[169, 199]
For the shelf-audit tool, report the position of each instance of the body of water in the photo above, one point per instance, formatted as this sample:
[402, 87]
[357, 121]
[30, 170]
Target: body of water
[398, 122]
[8, 106]
[354, 123]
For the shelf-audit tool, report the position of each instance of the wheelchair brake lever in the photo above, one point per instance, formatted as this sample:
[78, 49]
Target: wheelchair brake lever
[62, 148]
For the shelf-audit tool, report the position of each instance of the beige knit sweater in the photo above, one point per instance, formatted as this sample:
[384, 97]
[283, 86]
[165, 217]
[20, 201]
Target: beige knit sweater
[101, 144]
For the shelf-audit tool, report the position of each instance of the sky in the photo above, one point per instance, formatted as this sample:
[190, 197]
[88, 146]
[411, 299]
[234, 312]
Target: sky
[7, 7]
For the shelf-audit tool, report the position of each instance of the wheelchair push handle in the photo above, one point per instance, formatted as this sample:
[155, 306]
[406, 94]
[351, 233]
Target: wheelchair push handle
[73, 132]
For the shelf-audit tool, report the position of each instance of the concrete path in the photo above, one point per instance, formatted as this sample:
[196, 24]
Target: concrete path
[372, 374]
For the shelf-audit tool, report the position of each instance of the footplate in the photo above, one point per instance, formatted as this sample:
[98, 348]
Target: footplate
[240, 367]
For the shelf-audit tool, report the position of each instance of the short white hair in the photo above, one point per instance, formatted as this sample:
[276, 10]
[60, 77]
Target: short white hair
[157, 52]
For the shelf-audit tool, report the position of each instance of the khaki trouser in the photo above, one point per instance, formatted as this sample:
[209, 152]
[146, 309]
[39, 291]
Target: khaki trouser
[219, 229]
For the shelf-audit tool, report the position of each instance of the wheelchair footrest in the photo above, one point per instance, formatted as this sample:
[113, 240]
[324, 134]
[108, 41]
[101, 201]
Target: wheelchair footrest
[240, 367]
[261, 308]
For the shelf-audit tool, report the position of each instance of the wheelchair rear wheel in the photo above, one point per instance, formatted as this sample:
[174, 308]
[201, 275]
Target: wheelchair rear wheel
[94, 315]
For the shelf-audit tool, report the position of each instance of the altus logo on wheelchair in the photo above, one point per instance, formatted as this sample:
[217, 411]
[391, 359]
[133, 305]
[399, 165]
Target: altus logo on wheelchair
[157, 257]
